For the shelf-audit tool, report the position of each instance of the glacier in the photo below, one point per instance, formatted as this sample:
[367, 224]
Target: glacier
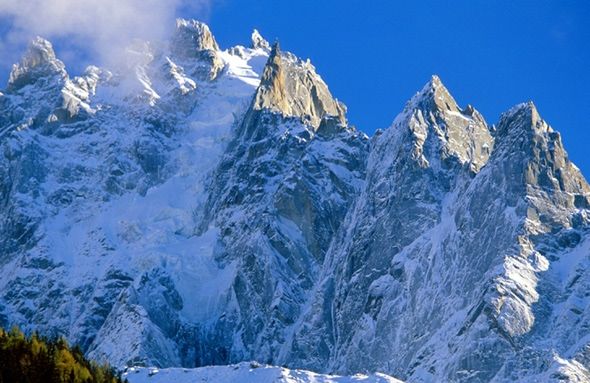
[198, 206]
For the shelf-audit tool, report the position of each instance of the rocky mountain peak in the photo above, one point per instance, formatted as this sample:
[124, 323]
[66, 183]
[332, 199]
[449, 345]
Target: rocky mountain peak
[434, 97]
[259, 42]
[527, 141]
[292, 87]
[195, 47]
[439, 129]
[271, 93]
[523, 118]
[38, 62]
[523, 127]
[193, 36]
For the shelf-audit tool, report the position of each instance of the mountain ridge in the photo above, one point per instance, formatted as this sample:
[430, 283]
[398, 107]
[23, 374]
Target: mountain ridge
[219, 207]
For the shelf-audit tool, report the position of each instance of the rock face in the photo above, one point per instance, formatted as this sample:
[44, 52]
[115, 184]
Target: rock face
[451, 258]
[38, 63]
[193, 40]
[278, 196]
[201, 206]
[291, 87]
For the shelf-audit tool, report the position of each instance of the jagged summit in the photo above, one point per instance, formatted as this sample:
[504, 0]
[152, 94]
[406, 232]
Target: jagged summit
[525, 139]
[433, 97]
[259, 42]
[193, 44]
[292, 87]
[271, 93]
[194, 36]
[440, 130]
[528, 118]
[524, 124]
[217, 207]
[434, 83]
[38, 62]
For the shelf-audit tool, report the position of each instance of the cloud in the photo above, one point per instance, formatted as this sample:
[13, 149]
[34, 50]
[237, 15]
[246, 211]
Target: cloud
[89, 30]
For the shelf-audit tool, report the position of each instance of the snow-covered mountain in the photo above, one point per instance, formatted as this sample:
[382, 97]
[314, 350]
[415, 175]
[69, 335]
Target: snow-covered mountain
[199, 206]
[464, 252]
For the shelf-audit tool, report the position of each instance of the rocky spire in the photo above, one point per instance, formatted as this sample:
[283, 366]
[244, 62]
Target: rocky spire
[521, 119]
[38, 62]
[194, 45]
[292, 87]
[440, 130]
[271, 93]
[259, 42]
[435, 96]
[193, 36]
[533, 149]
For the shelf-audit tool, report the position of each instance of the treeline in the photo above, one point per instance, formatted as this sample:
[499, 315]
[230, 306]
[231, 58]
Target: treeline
[38, 360]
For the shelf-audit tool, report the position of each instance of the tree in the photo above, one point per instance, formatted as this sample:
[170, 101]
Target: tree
[38, 360]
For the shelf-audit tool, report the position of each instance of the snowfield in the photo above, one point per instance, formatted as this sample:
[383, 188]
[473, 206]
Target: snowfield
[244, 373]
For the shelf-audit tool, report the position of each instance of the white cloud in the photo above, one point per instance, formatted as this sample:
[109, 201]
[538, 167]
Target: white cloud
[90, 30]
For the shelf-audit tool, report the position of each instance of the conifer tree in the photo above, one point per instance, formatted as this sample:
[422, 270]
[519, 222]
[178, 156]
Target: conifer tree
[37, 360]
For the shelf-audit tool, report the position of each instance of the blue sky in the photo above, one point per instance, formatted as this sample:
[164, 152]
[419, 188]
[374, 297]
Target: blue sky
[376, 54]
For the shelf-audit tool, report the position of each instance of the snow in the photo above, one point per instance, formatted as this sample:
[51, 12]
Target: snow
[244, 373]
[441, 242]
[569, 263]
[142, 228]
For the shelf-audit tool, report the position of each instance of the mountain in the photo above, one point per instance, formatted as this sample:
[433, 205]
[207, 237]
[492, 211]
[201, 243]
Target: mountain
[197, 206]
[462, 253]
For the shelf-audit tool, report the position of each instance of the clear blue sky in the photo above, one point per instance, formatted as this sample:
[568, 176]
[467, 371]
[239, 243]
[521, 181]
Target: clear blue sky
[375, 54]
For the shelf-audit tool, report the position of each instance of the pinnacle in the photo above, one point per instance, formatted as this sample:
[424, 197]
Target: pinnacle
[293, 88]
[39, 61]
[193, 35]
[434, 86]
[435, 81]
[40, 44]
[520, 118]
[272, 85]
[434, 96]
[273, 66]
[524, 107]
[259, 42]
[457, 133]
[275, 50]
[40, 51]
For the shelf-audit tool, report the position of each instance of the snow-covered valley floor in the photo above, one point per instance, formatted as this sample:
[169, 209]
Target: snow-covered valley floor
[243, 373]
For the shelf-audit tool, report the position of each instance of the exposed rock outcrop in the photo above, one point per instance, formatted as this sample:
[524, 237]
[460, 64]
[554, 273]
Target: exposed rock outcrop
[200, 206]
[291, 87]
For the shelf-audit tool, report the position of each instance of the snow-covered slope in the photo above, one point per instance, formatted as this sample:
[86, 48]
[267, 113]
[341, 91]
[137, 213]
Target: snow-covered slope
[244, 373]
[201, 206]
[171, 212]
[100, 195]
[278, 196]
[454, 259]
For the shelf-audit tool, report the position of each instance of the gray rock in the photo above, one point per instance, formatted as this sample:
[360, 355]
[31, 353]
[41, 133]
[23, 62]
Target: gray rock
[199, 207]
[440, 273]
[194, 40]
[38, 63]
[291, 87]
